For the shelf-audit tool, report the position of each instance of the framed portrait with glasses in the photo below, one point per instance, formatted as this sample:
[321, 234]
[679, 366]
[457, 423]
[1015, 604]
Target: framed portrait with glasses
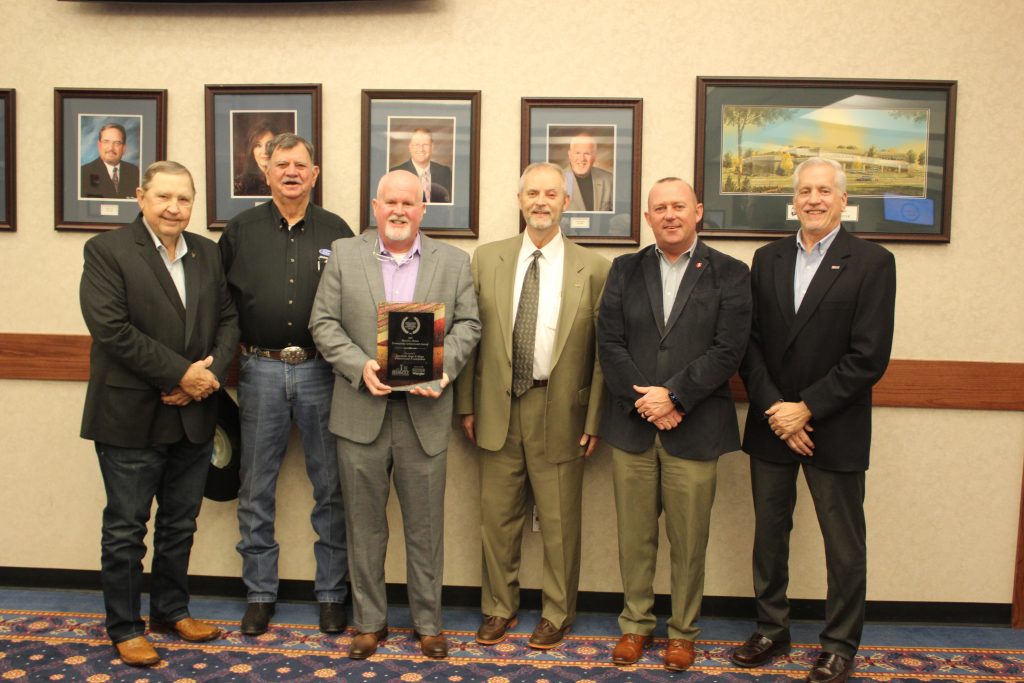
[434, 134]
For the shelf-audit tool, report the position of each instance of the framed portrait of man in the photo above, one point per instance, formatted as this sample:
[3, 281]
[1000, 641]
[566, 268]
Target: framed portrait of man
[434, 135]
[7, 186]
[597, 143]
[240, 121]
[104, 140]
[425, 145]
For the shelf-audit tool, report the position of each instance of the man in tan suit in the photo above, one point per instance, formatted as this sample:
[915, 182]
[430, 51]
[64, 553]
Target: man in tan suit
[531, 398]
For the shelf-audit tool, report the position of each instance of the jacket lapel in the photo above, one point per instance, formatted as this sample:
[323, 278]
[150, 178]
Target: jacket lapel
[149, 254]
[652, 280]
[371, 266]
[504, 285]
[832, 266]
[785, 265]
[426, 270]
[193, 283]
[572, 294]
[698, 264]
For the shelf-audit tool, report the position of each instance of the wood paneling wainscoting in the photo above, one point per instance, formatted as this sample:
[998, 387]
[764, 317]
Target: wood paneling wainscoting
[961, 385]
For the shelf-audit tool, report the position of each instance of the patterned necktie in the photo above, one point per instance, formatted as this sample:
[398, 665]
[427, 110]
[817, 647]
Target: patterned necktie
[525, 331]
[425, 182]
[116, 178]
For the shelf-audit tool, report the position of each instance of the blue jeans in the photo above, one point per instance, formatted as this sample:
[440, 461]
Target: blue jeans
[176, 475]
[271, 395]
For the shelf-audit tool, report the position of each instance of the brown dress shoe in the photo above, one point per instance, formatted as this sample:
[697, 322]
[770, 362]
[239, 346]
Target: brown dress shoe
[435, 647]
[494, 629]
[137, 652]
[759, 649]
[679, 654]
[547, 636]
[189, 629]
[630, 648]
[365, 644]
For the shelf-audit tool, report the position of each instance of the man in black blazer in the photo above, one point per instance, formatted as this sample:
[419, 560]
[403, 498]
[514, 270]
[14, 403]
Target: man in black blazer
[164, 330]
[822, 331]
[99, 174]
[437, 177]
[673, 326]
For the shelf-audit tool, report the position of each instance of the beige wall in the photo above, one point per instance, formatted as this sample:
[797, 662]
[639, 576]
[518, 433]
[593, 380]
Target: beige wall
[944, 489]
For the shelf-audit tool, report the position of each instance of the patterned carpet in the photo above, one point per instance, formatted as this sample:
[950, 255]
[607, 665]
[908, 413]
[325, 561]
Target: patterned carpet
[66, 646]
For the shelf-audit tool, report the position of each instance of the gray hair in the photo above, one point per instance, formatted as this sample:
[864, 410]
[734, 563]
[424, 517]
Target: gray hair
[170, 167]
[289, 141]
[543, 164]
[821, 161]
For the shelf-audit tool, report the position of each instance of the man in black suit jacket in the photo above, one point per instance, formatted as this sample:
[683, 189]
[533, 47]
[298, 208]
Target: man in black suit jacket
[164, 330]
[438, 176]
[674, 322]
[98, 175]
[821, 336]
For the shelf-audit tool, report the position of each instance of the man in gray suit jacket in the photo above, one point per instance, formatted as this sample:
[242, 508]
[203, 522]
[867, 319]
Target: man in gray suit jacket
[674, 323]
[381, 431]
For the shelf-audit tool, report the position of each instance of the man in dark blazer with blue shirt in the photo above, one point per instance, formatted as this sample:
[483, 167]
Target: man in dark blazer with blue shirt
[821, 336]
[673, 326]
[164, 331]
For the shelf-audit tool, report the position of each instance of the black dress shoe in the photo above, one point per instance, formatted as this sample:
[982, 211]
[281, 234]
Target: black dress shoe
[332, 617]
[830, 668]
[257, 618]
[758, 650]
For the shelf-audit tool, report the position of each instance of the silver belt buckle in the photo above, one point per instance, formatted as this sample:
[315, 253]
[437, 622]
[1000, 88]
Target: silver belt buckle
[294, 354]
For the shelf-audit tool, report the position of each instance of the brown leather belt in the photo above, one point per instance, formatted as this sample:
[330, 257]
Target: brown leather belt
[539, 383]
[292, 355]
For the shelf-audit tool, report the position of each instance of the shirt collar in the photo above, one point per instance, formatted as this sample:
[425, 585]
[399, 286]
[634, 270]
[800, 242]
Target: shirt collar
[552, 251]
[180, 249]
[688, 253]
[409, 254]
[822, 245]
[280, 221]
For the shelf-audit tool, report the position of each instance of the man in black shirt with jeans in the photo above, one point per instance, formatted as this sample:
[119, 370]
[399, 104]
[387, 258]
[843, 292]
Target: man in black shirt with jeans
[273, 255]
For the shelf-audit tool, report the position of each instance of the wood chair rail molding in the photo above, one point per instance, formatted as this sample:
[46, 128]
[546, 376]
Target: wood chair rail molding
[965, 385]
[936, 384]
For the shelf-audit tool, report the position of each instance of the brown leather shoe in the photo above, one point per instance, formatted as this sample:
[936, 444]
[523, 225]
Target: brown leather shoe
[435, 647]
[547, 636]
[365, 644]
[759, 649]
[137, 652]
[631, 648]
[679, 654]
[189, 629]
[494, 629]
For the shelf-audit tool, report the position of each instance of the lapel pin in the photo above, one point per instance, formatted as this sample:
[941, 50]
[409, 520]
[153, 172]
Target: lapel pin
[698, 265]
[836, 267]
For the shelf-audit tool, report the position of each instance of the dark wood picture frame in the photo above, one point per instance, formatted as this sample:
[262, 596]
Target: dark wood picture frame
[8, 165]
[390, 118]
[601, 118]
[82, 112]
[300, 103]
[872, 127]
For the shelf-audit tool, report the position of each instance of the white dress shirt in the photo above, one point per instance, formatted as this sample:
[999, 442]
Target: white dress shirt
[549, 271]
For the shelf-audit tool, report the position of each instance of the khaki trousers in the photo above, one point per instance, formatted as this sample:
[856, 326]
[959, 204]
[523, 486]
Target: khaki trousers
[645, 484]
[557, 491]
